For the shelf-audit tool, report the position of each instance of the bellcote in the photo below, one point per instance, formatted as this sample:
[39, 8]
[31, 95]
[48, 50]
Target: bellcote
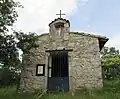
[59, 28]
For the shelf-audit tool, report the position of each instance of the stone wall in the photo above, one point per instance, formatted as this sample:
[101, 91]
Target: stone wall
[84, 62]
[29, 80]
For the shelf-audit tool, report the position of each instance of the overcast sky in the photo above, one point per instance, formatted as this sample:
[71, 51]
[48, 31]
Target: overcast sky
[93, 16]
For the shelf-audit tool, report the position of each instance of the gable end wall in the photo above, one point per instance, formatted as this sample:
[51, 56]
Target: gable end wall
[84, 63]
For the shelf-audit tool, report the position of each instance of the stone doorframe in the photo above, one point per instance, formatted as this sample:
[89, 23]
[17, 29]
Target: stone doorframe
[48, 63]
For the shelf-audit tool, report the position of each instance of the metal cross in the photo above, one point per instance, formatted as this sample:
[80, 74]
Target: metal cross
[61, 14]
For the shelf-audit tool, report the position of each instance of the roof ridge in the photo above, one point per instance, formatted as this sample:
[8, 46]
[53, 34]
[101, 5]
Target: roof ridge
[88, 34]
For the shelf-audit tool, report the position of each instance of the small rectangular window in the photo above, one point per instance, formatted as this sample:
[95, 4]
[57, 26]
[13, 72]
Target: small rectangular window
[40, 69]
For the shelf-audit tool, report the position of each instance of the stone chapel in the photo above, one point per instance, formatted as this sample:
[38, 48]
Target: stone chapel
[64, 60]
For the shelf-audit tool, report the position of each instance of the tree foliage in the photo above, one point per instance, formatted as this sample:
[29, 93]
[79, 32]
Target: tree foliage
[8, 50]
[9, 57]
[8, 14]
[111, 57]
[10, 64]
[8, 77]
[111, 60]
[111, 63]
[26, 41]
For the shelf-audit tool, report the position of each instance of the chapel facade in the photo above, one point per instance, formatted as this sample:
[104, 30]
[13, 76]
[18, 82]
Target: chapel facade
[64, 60]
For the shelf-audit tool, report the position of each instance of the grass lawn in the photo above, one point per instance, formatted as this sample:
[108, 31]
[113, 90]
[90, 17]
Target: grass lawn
[111, 90]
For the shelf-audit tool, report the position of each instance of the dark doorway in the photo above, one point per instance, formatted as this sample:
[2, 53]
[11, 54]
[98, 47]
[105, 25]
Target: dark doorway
[59, 76]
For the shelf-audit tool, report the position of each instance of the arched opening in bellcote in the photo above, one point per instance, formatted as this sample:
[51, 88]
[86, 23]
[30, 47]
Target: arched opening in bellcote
[59, 28]
[59, 25]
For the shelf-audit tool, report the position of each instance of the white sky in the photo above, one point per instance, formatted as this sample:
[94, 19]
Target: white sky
[37, 14]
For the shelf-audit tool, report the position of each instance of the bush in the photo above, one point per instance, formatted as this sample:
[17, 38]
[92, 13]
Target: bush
[111, 72]
[8, 77]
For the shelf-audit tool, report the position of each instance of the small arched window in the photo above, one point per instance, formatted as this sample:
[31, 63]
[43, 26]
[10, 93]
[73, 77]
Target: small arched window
[59, 25]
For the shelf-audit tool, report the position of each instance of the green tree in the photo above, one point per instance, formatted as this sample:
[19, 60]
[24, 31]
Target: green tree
[8, 51]
[111, 57]
[8, 14]
[111, 63]
[9, 47]
[26, 41]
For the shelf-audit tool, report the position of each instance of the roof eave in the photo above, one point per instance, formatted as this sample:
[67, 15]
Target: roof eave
[102, 42]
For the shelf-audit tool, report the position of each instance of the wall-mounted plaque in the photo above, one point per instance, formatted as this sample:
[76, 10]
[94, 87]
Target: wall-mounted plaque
[40, 69]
